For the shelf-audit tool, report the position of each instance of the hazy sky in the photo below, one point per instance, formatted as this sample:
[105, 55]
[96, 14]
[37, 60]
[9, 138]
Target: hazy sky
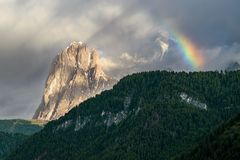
[127, 34]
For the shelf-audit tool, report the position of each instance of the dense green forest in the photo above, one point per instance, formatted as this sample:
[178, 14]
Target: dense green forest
[146, 116]
[222, 144]
[21, 126]
[14, 132]
[9, 142]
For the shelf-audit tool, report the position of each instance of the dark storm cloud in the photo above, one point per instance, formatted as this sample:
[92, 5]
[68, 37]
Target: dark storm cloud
[21, 82]
[210, 23]
[128, 34]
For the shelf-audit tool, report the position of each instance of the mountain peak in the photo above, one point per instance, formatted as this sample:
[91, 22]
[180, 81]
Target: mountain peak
[76, 75]
[233, 66]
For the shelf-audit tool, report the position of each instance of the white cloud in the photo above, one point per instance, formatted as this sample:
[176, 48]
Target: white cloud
[133, 60]
[163, 41]
[220, 57]
[37, 20]
[108, 64]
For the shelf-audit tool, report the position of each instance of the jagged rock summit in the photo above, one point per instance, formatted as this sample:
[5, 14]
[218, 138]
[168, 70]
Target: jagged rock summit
[75, 76]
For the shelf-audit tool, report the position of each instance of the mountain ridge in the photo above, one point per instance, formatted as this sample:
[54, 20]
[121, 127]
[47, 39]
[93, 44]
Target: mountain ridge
[144, 116]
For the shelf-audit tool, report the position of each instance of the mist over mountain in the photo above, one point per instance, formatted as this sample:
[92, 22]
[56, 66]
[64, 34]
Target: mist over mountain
[233, 66]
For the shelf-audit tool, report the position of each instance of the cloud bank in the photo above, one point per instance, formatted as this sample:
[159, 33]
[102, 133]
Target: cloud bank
[132, 36]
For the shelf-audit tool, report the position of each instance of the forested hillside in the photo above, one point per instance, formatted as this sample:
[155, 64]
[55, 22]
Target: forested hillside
[222, 144]
[146, 116]
[9, 142]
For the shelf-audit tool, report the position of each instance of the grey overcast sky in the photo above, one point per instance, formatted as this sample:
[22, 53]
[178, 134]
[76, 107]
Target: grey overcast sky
[127, 33]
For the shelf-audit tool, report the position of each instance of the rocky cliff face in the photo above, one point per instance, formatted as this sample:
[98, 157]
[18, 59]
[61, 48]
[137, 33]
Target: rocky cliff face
[75, 76]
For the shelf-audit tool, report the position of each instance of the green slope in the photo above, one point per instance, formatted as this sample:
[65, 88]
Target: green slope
[26, 127]
[222, 144]
[9, 142]
[152, 116]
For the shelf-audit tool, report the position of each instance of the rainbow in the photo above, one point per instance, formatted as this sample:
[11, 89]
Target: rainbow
[191, 53]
